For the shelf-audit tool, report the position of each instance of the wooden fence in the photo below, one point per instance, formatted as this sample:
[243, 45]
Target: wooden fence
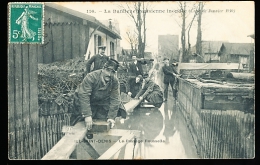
[50, 131]
[216, 133]
[22, 102]
[52, 119]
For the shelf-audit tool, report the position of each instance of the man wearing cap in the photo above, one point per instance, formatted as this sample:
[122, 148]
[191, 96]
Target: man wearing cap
[99, 60]
[133, 86]
[135, 68]
[97, 97]
[170, 76]
[151, 92]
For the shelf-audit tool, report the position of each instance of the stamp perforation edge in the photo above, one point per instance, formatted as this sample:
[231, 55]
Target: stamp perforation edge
[9, 23]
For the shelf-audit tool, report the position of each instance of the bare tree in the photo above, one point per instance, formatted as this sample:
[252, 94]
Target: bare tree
[182, 6]
[196, 11]
[186, 47]
[132, 38]
[139, 19]
[199, 32]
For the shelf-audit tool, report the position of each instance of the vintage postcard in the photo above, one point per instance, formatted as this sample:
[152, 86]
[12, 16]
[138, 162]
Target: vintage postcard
[131, 80]
[26, 22]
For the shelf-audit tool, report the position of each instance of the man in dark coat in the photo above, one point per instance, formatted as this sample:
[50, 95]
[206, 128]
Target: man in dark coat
[133, 86]
[98, 95]
[170, 77]
[99, 60]
[151, 92]
[135, 68]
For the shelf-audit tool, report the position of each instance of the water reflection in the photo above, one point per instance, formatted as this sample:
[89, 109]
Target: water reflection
[169, 129]
[147, 120]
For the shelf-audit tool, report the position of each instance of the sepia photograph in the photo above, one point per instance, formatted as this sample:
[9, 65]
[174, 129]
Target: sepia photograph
[131, 80]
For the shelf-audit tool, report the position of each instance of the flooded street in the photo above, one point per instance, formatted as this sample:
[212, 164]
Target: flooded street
[178, 140]
[179, 144]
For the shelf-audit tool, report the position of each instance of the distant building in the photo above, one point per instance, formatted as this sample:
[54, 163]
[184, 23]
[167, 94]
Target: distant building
[236, 53]
[210, 50]
[252, 56]
[168, 46]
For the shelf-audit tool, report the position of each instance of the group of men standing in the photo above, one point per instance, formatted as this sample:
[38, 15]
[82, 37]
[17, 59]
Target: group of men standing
[98, 96]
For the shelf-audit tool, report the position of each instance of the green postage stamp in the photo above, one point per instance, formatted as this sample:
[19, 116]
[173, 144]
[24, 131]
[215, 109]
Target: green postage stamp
[26, 22]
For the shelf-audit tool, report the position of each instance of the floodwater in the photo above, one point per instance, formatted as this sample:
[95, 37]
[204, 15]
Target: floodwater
[166, 129]
[179, 144]
[174, 141]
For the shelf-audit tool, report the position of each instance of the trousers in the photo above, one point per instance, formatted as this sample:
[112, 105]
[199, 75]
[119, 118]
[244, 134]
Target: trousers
[165, 92]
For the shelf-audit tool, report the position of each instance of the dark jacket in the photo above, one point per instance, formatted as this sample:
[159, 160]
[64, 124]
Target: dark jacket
[98, 60]
[132, 86]
[168, 76]
[93, 92]
[152, 93]
[135, 69]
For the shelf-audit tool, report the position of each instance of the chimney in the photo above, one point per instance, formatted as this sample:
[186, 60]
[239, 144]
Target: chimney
[110, 24]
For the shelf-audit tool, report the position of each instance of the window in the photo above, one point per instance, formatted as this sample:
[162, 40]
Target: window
[112, 50]
[97, 42]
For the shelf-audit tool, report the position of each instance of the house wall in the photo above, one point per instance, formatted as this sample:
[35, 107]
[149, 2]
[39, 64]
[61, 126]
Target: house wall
[211, 57]
[65, 37]
[105, 41]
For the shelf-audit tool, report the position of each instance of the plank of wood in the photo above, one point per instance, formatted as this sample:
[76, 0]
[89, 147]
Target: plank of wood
[67, 144]
[67, 41]
[117, 146]
[33, 76]
[57, 32]
[26, 81]
[47, 48]
[40, 53]
[129, 107]
[11, 102]
[202, 66]
[75, 40]
[82, 40]
[18, 94]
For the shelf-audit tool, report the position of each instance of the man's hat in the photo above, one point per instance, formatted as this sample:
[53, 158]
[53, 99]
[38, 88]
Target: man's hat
[145, 75]
[175, 64]
[112, 63]
[101, 47]
[165, 58]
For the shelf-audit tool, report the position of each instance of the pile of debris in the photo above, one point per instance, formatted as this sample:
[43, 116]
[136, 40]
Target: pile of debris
[58, 81]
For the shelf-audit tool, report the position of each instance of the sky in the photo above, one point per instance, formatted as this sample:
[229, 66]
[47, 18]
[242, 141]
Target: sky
[221, 20]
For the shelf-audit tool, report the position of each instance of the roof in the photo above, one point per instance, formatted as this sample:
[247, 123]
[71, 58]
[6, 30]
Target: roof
[83, 16]
[252, 36]
[211, 46]
[238, 48]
